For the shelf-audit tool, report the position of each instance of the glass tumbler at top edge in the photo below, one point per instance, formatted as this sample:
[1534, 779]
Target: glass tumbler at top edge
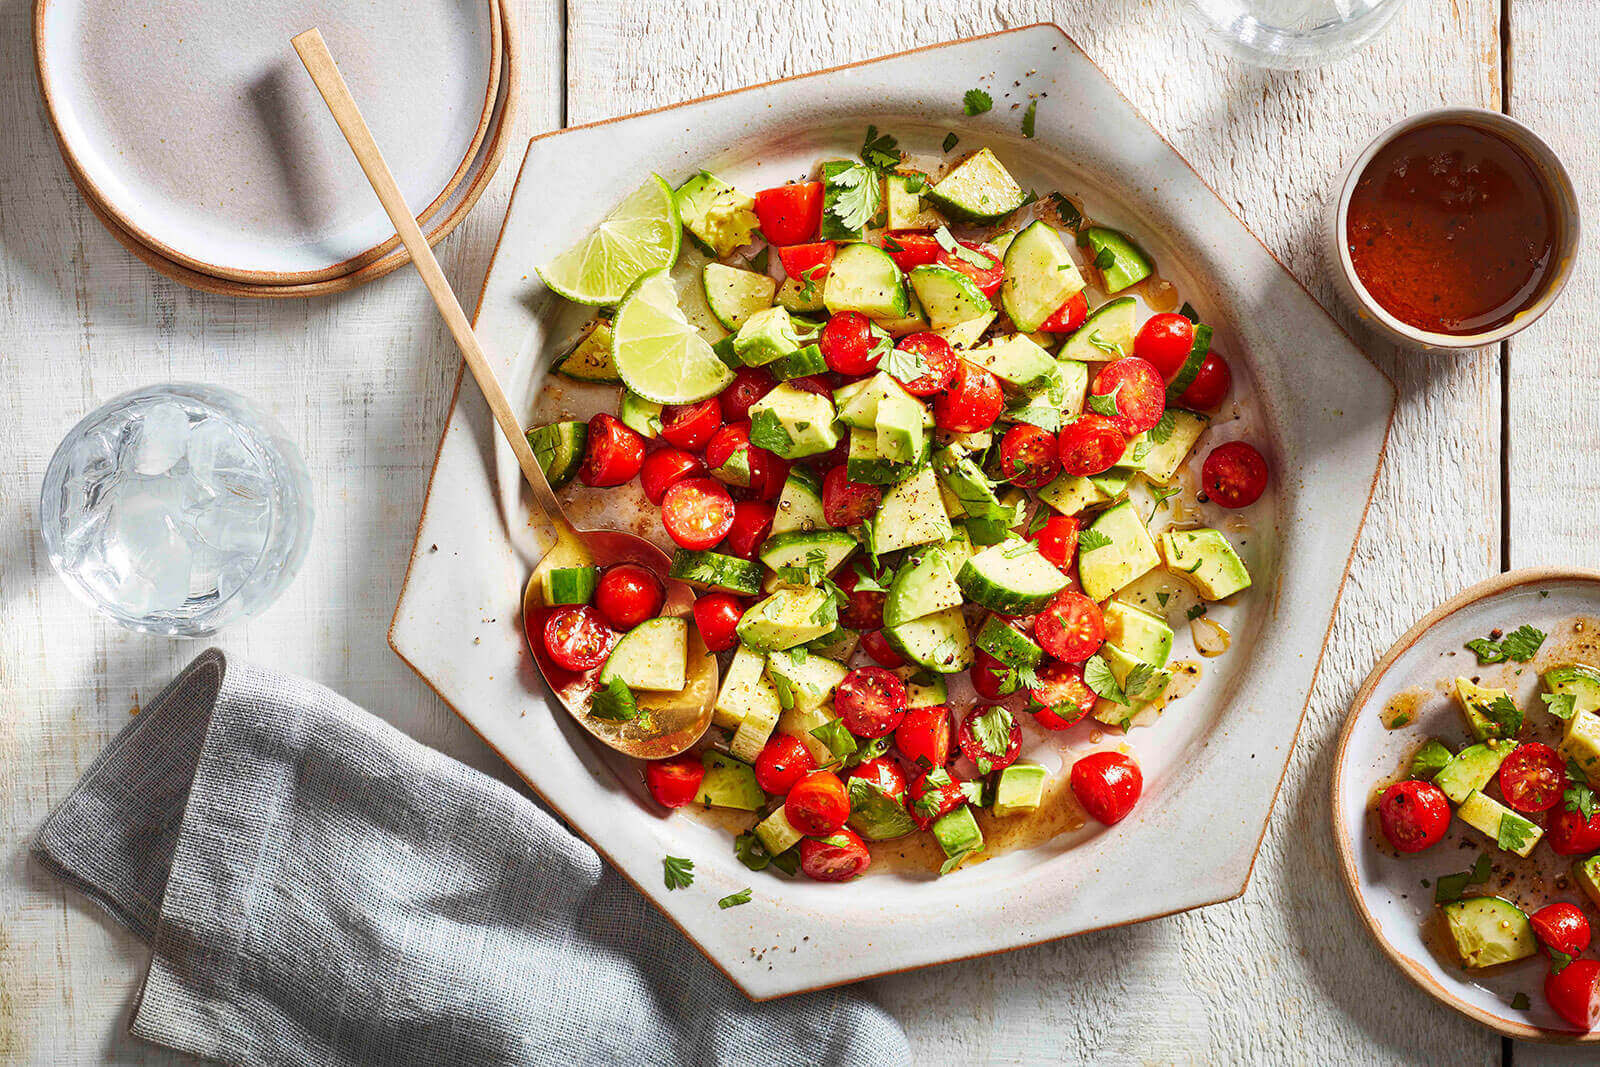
[1289, 34]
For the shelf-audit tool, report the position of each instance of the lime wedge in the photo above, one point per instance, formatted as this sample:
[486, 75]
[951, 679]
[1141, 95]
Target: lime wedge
[658, 354]
[640, 235]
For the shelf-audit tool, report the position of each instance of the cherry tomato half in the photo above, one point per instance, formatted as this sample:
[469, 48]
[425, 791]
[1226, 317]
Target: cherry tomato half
[577, 638]
[783, 761]
[1057, 539]
[725, 443]
[847, 344]
[1090, 444]
[1139, 391]
[929, 799]
[690, 426]
[938, 359]
[971, 403]
[923, 736]
[987, 273]
[752, 522]
[1071, 627]
[1413, 815]
[1574, 993]
[871, 701]
[1570, 834]
[991, 678]
[674, 782]
[1234, 475]
[697, 512]
[864, 610]
[614, 453]
[874, 644]
[1064, 698]
[883, 773]
[845, 503]
[790, 214]
[1533, 777]
[1107, 784]
[838, 857]
[817, 804]
[970, 738]
[749, 385]
[1562, 927]
[1210, 386]
[800, 262]
[716, 616]
[1029, 456]
[1068, 316]
[911, 249]
[665, 466]
[627, 595]
[1164, 342]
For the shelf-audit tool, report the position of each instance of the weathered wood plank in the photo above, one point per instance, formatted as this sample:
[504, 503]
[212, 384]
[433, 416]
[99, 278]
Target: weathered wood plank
[1288, 966]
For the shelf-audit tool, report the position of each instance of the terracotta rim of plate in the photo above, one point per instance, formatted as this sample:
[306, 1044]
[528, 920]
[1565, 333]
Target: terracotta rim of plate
[493, 154]
[499, 59]
[1419, 975]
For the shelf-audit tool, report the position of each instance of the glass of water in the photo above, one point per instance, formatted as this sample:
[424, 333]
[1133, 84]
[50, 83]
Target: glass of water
[176, 509]
[1289, 34]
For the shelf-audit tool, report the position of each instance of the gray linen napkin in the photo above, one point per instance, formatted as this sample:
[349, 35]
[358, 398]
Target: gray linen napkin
[318, 888]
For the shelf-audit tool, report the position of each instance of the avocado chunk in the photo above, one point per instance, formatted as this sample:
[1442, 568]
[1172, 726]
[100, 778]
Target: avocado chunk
[800, 503]
[803, 681]
[1141, 634]
[912, 513]
[1015, 360]
[1429, 759]
[838, 646]
[1579, 679]
[874, 814]
[1500, 824]
[924, 584]
[1471, 769]
[729, 783]
[1169, 444]
[899, 426]
[767, 335]
[787, 618]
[1581, 744]
[939, 642]
[1489, 930]
[1207, 560]
[777, 833]
[1586, 873]
[1122, 263]
[1020, 788]
[746, 691]
[590, 359]
[1472, 699]
[793, 423]
[641, 416]
[1072, 493]
[924, 689]
[718, 216]
[966, 482]
[1124, 552]
[559, 448]
[1141, 694]
[958, 835]
[864, 463]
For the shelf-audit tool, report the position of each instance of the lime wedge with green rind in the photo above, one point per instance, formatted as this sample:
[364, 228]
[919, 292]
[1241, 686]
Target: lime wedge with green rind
[658, 354]
[640, 235]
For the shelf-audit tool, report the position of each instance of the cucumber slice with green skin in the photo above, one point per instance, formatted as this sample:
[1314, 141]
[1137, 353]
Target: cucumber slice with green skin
[559, 447]
[819, 551]
[1488, 931]
[923, 585]
[905, 203]
[1105, 335]
[1191, 366]
[1040, 276]
[1472, 768]
[590, 359]
[716, 570]
[948, 297]
[863, 278]
[1007, 645]
[807, 361]
[733, 295]
[569, 585]
[939, 642]
[835, 191]
[800, 503]
[1579, 679]
[652, 657]
[1121, 262]
[641, 416]
[1011, 578]
[979, 189]
[728, 783]
[913, 321]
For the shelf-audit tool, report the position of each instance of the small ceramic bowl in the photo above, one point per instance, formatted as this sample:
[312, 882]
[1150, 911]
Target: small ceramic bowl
[1557, 184]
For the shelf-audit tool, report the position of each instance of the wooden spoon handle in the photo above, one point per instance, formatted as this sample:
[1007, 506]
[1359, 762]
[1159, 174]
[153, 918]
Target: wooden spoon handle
[313, 51]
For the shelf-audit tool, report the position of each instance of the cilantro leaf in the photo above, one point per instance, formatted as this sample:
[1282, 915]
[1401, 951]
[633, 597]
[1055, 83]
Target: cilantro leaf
[614, 701]
[880, 151]
[1195, 612]
[1066, 211]
[1578, 796]
[1027, 118]
[950, 141]
[860, 194]
[1505, 715]
[1188, 312]
[1449, 887]
[733, 900]
[948, 242]
[1514, 832]
[976, 101]
[1109, 349]
[1486, 650]
[1520, 1002]
[1162, 430]
[1089, 540]
[1561, 705]
[1163, 597]
[933, 785]
[1163, 495]
[905, 365]
[678, 872]
[992, 730]
[1522, 643]
[809, 279]
[1558, 963]
[767, 431]
[1141, 679]
[749, 850]
[1104, 259]
[1097, 676]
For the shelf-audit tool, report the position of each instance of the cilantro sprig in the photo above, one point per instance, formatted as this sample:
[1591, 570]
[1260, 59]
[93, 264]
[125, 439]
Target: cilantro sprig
[1520, 645]
[976, 101]
[678, 873]
[860, 195]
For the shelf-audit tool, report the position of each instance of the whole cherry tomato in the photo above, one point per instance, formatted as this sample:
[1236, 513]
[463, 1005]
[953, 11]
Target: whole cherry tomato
[1029, 456]
[817, 804]
[971, 403]
[577, 638]
[1164, 342]
[874, 644]
[665, 466]
[1137, 390]
[931, 795]
[1574, 993]
[613, 455]
[845, 503]
[749, 385]
[864, 610]
[938, 360]
[848, 344]
[1090, 444]
[1562, 927]
[871, 701]
[1107, 784]
[1413, 815]
[716, 616]
[1234, 475]
[790, 214]
[1070, 627]
[838, 857]
[752, 522]
[783, 761]
[1570, 834]
[627, 595]
[1533, 777]
[690, 426]
[923, 736]
[1057, 539]
[697, 512]
[1068, 316]
[1062, 696]
[973, 736]
[674, 782]
[1210, 386]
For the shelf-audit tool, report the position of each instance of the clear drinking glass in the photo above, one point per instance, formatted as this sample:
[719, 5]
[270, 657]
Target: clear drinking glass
[1287, 34]
[176, 509]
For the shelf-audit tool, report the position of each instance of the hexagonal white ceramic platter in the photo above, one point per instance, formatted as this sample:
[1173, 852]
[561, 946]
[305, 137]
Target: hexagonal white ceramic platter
[1214, 762]
[1386, 888]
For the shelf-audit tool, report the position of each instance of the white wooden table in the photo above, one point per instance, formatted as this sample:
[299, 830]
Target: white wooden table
[1491, 465]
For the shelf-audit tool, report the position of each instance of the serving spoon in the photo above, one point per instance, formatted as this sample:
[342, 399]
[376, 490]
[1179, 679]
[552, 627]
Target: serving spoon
[668, 723]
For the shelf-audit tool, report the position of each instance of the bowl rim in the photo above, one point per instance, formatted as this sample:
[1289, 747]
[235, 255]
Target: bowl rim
[1551, 169]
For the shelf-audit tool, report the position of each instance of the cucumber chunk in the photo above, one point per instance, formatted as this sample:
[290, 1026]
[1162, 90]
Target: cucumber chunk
[819, 551]
[1488, 931]
[939, 642]
[569, 585]
[863, 278]
[948, 297]
[1011, 578]
[1006, 644]
[800, 503]
[559, 447]
[1040, 276]
[1121, 262]
[728, 783]
[716, 570]
[905, 203]
[1191, 365]
[733, 295]
[979, 189]
[652, 657]
[1105, 335]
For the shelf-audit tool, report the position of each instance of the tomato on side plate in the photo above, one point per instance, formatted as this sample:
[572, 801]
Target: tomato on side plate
[1029, 456]
[1413, 815]
[674, 782]
[931, 795]
[1210, 386]
[1090, 444]
[1561, 926]
[1533, 777]
[817, 804]
[1057, 539]
[627, 595]
[1570, 834]
[864, 610]
[614, 453]
[1234, 475]
[883, 773]
[1107, 784]
[838, 857]
[690, 426]
[800, 262]
[752, 522]
[1137, 389]
[749, 385]
[1164, 342]
[577, 638]
[936, 356]
[1062, 696]
[697, 512]
[847, 344]
[910, 249]
[1574, 993]
[716, 616]
[923, 736]
[1068, 316]
[1070, 627]
[845, 503]
[871, 701]
[971, 403]
[987, 273]
[790, 214]
[783, 761]
[874, 644]
[990, 753]
[665, 466]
